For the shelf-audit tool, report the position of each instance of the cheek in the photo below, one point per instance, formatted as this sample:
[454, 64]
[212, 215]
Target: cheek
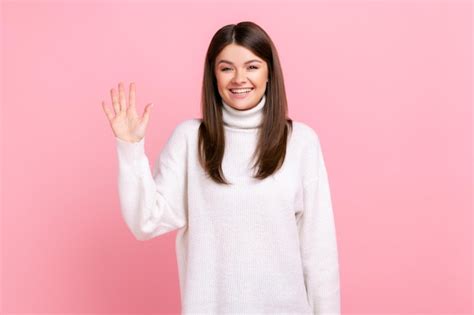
[260, 79]
[221, 80]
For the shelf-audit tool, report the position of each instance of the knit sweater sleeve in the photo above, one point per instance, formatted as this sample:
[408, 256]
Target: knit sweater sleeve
[153, 202]
[317, 234]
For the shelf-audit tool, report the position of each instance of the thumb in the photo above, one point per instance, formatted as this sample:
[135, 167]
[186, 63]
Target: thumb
[146, 114]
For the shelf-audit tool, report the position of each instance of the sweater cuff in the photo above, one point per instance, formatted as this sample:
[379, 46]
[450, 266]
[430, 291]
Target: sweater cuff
[130, 151]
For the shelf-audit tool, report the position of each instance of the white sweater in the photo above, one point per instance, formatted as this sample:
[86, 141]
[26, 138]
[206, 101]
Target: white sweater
[254, 247]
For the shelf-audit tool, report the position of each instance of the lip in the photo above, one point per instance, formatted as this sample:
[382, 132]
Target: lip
[241, 96]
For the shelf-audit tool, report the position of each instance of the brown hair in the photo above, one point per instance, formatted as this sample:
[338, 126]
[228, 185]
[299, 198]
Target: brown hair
[271, 146]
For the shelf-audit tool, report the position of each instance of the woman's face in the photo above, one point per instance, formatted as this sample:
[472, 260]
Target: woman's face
[238, 67]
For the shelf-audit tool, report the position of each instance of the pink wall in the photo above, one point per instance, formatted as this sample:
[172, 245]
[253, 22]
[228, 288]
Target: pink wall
[386, 84]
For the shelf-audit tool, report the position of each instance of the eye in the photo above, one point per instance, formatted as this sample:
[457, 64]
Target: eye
[226, 68]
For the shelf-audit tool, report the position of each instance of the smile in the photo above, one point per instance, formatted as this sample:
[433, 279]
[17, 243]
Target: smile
[241, 91]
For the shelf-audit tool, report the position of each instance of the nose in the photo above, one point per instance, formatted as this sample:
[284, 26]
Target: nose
[239, 77]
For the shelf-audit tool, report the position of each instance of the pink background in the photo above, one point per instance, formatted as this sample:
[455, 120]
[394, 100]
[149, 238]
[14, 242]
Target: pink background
[386, 84]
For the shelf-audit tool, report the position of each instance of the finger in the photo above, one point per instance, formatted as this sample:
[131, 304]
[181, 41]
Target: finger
[146, 114]
[115, 102]
[108, 113]
[123, 104]
[132, 95]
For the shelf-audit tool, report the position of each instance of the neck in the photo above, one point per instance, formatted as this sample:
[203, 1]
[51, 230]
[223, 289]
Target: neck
[243, 119]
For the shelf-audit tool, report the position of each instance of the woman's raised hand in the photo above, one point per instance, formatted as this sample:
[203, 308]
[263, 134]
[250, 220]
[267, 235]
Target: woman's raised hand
[126, 124]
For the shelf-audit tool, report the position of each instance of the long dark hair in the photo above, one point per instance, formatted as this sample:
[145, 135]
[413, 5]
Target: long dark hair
[276, 126]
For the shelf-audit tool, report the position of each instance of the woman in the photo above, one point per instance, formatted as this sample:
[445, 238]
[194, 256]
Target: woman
[245, 187]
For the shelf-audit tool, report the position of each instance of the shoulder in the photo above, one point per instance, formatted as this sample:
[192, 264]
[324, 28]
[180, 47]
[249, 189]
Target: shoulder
[188, 125]
[309, 149]
[304, 134]
[177, 144]
[186, 128]
[181, 133]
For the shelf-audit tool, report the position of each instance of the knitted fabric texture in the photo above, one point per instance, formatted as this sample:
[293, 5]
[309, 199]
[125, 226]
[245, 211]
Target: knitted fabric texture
[253, 247]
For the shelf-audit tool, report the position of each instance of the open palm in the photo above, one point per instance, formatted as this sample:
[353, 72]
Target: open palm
[125, 122]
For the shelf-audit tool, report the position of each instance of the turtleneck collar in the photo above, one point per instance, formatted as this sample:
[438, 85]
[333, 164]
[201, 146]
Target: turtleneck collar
[243, 119]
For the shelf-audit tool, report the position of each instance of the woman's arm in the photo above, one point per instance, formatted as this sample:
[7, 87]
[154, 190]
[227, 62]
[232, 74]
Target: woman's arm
[153, 203]
[317, 235]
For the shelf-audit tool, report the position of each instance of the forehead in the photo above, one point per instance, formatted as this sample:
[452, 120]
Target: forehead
[236, 54]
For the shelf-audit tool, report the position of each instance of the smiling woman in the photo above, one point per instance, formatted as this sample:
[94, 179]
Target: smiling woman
[242, 64]
[245, 187]
[241, 77]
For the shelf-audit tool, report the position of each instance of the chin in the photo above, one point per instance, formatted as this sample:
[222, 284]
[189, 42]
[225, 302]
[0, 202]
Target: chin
[242, 104]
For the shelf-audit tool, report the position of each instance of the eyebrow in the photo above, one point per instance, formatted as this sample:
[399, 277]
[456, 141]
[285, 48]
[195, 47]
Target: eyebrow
[226, 61]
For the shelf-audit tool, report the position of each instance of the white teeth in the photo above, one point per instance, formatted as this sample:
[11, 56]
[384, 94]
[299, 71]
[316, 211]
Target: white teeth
[240, 91]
